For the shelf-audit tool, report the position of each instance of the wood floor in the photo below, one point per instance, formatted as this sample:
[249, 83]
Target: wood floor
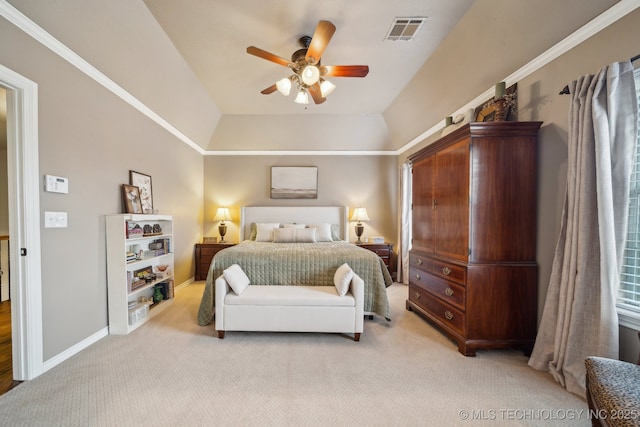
[6, 370]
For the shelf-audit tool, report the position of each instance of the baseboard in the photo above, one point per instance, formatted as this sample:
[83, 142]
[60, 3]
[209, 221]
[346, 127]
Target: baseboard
[73, 350]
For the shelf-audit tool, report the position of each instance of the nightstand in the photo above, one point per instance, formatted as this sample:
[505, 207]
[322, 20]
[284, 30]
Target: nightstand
[384, 251]
[204, 255]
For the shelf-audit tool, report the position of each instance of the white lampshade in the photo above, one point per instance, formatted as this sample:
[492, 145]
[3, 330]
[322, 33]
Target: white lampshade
[302, 97]
[326, 87]
[222, 214]
[360, 214]
[284, 86]
[310, 75]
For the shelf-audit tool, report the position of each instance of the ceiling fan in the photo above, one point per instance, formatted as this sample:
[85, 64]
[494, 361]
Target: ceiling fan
[308, 73]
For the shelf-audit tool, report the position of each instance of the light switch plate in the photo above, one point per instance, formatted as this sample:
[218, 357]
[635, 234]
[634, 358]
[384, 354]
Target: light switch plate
[55, 220]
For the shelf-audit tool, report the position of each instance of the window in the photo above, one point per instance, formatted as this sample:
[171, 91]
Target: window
[629, 294]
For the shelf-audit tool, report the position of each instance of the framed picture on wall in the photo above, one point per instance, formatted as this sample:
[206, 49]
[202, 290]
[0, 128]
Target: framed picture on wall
[297, 182]
[131, 199]
[143, 182]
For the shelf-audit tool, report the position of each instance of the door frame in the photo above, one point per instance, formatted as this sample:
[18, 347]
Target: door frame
[24, 224]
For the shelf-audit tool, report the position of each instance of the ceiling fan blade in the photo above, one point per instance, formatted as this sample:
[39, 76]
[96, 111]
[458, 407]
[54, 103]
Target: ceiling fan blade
[320, 40]
[345, 70]
[269, 90]
[252, 50]
[314, 90]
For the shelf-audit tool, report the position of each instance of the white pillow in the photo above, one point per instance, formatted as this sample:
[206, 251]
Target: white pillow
[323, 232]
[293, 226]
[236, 278]
[264, 231]
[342, 279]
[294, 235]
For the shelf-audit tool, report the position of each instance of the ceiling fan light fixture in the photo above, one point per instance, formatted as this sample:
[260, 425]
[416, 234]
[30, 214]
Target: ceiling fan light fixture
[310, 75]
[326, 87]
[284, 86]
[302, 97]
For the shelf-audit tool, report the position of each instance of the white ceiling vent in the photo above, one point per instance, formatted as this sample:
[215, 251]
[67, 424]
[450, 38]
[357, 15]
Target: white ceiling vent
[405, 29]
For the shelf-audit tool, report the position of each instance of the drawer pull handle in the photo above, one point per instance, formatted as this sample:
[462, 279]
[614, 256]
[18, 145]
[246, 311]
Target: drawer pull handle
[417, 296]
[446, 271]
[448, 315]
[417, 277]
[419, 261]
[448, 291]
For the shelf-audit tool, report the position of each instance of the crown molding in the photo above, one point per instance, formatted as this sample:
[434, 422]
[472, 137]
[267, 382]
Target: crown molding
[600, 22]
[608, 17]
[32, 29]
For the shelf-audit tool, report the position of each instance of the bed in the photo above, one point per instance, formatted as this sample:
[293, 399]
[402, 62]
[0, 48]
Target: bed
[287, 262]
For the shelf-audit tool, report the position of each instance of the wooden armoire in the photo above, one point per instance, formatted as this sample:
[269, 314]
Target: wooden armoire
[473, 270]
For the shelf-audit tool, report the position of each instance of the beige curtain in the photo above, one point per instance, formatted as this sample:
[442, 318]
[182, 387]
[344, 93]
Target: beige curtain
[579, 317]
[405, 227]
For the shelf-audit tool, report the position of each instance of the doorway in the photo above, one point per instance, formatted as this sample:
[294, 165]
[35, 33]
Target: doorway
[23, 185]
[6, 367]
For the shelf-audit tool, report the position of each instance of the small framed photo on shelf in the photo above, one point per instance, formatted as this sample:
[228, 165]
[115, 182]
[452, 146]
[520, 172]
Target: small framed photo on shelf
[131, 199]
[143, 182]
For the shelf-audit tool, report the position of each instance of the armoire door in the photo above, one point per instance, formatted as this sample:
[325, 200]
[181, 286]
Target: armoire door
[422, 201]
[451, 201]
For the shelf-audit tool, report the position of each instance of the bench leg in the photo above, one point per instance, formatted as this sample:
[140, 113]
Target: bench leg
[356, 336]
[220, 334]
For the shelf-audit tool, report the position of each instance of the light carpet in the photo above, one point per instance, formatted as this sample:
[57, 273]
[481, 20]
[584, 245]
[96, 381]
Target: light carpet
[172, 372]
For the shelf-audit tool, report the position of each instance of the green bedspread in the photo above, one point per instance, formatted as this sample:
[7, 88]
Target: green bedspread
[310, 264]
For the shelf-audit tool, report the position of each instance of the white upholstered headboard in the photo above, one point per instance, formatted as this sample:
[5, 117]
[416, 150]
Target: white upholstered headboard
[293, 214]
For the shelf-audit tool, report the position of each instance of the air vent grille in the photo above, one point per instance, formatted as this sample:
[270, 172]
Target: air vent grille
[405, 29]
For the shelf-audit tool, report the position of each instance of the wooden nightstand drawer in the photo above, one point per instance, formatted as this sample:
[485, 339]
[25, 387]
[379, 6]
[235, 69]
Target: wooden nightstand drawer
[204, 254]
[383, 250]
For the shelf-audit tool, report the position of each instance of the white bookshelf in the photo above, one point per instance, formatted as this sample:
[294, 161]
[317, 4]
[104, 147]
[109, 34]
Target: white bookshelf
[126, 313]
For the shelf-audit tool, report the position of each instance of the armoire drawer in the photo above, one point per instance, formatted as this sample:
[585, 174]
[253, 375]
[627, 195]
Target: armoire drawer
[455, 273]
[445, 313]
[449, 292]
[419, 261]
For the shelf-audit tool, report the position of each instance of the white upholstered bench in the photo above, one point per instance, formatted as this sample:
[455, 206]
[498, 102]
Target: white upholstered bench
[290, 308]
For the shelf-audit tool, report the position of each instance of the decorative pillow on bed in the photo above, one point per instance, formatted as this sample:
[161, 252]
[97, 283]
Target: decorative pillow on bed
[342, 279]
[264, 231]
[293, 226]
[294, 235]
[323, 232]
[236, 278]
[335, 232]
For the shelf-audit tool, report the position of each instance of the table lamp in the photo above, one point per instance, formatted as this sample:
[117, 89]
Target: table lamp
[359, 214]
[222, 215]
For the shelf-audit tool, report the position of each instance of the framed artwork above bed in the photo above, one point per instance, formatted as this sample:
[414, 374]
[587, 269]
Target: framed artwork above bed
[294, 182]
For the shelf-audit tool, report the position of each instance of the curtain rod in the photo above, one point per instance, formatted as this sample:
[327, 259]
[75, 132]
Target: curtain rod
[565, 90]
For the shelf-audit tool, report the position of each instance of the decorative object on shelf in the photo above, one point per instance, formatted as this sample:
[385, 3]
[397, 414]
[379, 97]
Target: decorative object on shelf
[294, 182]
[134, 230]
[143, 182]
[359, 214]
[131, 199]
[209, 240]
[502, 107]
[500, 103]
[222, 215]
[157, 294]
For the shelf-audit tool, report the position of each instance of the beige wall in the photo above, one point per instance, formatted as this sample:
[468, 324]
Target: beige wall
[93, 138]
[367, 181]
[539, 100]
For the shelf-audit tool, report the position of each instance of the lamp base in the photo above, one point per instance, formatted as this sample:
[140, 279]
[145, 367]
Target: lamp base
[222, 229]
[359, 231]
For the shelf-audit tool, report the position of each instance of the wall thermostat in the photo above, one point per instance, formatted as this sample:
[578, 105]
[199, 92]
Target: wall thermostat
[56, 184]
